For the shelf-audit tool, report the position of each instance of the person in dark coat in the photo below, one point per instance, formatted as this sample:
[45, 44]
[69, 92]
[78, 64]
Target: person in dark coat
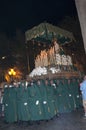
[10, 106]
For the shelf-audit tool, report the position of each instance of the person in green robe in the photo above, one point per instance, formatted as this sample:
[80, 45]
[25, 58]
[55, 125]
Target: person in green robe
[41, 95]
[53, 84]
[10, 104]
[35, 102]
[44, 99]
[67, 95]
[57, 94]
[18, 100]
[71, 97]
[50, 98]
[61, 103]
[22, 102]
[77, 97]
[6, 102]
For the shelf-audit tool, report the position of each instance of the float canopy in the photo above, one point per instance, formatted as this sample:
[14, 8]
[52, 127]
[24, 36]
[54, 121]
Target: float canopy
[45, 32]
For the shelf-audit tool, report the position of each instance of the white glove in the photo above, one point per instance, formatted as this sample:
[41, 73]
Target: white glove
[44, 102]
[37, 102]
[25, 103]
[10, 86]
[77, 96]
[69, 95]
[5, 86]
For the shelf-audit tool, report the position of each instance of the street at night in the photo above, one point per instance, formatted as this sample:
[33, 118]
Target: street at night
[66, 121]
[43, 65]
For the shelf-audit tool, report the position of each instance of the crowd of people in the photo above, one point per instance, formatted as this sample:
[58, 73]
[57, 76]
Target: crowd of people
[41, 99]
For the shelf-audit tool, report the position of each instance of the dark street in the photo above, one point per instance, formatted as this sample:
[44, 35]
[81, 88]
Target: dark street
[66, 121]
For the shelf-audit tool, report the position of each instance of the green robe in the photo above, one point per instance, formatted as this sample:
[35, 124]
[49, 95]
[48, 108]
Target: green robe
[35, 103]
[51, 100]
[22, 103]
[54, 87]
[57, 94]
[18, 100]
[6, 102]
[67, 96]
[13, 105]
[71, 97]
[61, 98]
[44, 100]
[10, 105]
[76, 93]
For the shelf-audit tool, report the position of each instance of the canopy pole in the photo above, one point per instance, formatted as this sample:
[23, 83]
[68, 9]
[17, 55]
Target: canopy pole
[28, 64]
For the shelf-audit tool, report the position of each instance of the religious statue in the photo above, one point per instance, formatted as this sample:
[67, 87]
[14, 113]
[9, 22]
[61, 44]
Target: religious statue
[56, 47]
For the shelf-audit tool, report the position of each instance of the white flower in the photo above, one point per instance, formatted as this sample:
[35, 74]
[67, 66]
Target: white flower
[69, 60]
[38, 71]
[64, 60]
[58, 59]
[54, 70]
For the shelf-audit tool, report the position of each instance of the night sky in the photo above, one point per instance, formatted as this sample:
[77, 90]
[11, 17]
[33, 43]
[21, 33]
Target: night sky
[25, 14]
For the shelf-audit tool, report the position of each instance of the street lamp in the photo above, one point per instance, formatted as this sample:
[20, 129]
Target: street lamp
[12, 73]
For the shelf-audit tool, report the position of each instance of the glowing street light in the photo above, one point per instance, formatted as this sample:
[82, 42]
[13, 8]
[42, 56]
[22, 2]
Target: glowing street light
[12, 72]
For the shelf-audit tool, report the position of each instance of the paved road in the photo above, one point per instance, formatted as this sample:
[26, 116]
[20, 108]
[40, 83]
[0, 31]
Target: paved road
[66, 121]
